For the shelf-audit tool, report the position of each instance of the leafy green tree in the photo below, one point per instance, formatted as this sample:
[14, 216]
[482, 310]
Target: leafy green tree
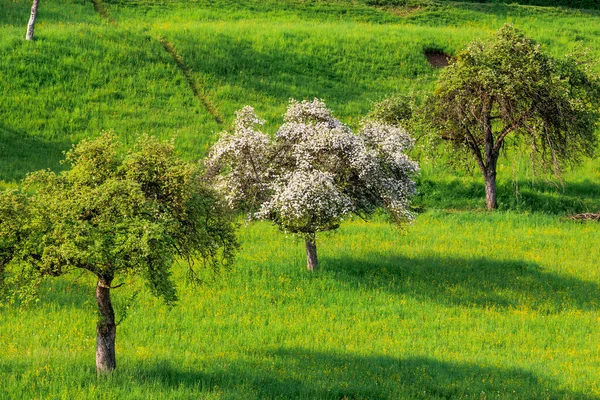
[506, 87]
[396, 111]
[114, 216]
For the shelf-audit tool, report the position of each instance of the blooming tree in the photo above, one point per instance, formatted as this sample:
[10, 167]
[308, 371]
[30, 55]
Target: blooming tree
[314, 171]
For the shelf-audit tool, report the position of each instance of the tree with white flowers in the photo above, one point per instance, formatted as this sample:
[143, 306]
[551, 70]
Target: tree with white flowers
[314, 171]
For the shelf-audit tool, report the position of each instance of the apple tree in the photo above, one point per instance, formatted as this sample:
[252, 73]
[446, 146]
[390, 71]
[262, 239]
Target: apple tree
[114, 216]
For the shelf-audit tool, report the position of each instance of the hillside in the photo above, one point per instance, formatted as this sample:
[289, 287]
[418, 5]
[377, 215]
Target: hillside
[85, 74]
[462, 304]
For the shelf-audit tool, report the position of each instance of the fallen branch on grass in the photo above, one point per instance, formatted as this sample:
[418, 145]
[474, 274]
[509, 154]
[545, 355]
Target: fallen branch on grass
[585, 217]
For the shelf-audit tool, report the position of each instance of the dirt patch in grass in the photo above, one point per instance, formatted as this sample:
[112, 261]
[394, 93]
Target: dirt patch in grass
[437, 58]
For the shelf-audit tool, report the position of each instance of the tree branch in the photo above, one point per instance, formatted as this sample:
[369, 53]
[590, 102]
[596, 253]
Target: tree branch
[508, 129]
[108, 286]
[475, 148]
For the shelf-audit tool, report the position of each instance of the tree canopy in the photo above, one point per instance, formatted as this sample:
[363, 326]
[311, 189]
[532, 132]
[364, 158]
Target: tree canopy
[314, 172]
[508, 87]
[114, 216]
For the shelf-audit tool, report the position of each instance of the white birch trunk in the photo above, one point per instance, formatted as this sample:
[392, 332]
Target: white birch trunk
[31, 24]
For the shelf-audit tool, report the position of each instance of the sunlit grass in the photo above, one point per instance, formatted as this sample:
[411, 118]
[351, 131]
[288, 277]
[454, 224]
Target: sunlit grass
[508, 307]
[83, 74]
[464, 304]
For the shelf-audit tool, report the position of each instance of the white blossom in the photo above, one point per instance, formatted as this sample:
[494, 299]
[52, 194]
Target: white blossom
[315, 170]
[306, 201]
[244, 153]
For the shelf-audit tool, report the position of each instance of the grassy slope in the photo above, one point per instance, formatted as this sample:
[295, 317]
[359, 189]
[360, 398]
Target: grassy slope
[508, 308]
[465, 305]
[82, 76]
[92, 75]
[263, 53]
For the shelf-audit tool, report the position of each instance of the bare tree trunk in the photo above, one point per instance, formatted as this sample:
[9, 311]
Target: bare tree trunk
[312, 262]
[491, 202]
[106, 330]
[31, 24]
[491, 158]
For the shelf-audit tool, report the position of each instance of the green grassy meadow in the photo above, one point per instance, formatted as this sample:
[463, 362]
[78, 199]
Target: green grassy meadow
[507, 309]
[462, 304]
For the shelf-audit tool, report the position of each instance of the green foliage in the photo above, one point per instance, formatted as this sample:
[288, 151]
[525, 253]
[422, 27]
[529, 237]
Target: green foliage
[396, 110]
[508, 87]
[114, 215]
[13, 215]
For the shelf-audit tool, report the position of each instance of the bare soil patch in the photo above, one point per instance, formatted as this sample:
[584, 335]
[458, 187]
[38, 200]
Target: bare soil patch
[438, 59]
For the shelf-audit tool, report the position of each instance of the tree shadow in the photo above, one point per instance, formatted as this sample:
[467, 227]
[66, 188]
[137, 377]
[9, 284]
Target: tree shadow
[21, 153]
[513, 7]
[295, 64]
[77, 290]
[468, 282]
[299, 373]
[539, 197]
[280, 72]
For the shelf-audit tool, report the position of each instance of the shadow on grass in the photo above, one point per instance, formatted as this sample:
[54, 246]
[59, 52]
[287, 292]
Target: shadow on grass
[68, 292]
[298, 373]
[280, 73]
[295, 64]
[21, 153]
[469, 282]
[449, 12]
[77, 291]
[511, 7]
[575, 197]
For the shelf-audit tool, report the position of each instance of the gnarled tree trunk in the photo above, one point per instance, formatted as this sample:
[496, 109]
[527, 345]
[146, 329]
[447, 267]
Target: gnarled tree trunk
[491, 158]
[312, 262]
[106, 330]
[491, 202]
[31, 24]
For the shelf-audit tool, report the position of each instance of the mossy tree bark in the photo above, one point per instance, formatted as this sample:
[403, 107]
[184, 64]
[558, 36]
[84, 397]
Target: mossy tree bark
[491, 202]
[492, 152]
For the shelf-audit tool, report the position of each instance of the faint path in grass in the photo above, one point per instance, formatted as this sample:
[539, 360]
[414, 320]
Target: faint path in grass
[101, 9]
[194, 85]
